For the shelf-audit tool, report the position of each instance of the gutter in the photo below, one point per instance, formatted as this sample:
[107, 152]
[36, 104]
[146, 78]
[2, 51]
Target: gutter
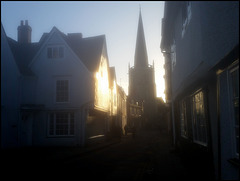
[219, 130]
[171, 99]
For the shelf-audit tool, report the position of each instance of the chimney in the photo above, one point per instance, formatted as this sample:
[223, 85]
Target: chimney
[24, 32]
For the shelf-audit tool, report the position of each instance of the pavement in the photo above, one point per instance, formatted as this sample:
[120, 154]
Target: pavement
[15, 155]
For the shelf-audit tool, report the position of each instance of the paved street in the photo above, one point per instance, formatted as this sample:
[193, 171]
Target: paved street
[147, 156]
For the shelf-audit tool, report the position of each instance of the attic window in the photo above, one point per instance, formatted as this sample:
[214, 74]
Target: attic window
[55, 52]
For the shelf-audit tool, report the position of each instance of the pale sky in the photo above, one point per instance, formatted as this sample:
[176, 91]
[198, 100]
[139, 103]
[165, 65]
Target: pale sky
[118, 20]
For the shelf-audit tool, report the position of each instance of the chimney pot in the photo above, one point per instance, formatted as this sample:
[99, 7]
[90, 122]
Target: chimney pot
[24, 32]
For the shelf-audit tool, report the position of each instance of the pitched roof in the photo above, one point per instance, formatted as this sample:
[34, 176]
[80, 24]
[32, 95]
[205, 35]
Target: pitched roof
[23, 54]
[89, 50]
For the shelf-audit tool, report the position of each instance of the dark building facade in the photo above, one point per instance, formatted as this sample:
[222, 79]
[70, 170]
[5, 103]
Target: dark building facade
[200, 43]
[142, 88]
[134, 114]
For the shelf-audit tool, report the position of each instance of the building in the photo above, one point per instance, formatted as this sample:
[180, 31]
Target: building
[162, 116]
[121, 108]
[142, 88]
[113, 101]
[200, 42]
[118, 106]
[135, 112]
[64, 88]
[10, 99]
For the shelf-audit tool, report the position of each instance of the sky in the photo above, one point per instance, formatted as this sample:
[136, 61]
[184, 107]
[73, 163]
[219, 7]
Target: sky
[117, 20]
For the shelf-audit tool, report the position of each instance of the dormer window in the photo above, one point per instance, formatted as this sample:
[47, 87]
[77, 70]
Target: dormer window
[55, 52]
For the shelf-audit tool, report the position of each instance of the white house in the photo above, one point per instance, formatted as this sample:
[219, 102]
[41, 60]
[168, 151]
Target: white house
[64, 87]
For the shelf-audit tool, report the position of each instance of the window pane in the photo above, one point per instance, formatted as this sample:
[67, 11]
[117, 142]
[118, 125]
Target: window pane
[235, 83]
[184, 131]
[62, 124]
[55, 52]
[235, 92]
[61, 53]
[199, 119]
[62, 91]
[236, 111]
[49, 52]
[235, 105]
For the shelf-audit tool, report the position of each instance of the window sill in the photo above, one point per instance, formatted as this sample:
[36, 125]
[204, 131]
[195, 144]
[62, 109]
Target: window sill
[234, 161]
[60, 136]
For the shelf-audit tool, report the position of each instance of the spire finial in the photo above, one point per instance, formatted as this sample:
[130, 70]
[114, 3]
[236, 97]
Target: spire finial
[140, 57]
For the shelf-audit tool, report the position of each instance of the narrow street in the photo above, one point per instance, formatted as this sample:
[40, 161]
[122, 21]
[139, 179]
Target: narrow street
[147, 156]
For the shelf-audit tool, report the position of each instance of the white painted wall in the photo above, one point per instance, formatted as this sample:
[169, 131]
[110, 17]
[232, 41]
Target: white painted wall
[81, 91]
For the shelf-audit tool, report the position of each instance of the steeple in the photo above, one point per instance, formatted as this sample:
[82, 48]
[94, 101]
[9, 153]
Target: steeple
[141, 58]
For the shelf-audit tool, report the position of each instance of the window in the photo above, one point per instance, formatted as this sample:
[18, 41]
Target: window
[61, 52]
[62, 91]
[199, 119]
[49, 50]
[183, 114]
[55, 52]
[186, 16]
[234, 92]
[61, 124]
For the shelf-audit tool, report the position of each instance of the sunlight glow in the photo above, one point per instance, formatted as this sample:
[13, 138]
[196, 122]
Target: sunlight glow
[160, 81]
[102, 86]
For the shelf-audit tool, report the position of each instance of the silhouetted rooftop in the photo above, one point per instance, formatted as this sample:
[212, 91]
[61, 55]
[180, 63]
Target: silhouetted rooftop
[23, 54]
[89, 50]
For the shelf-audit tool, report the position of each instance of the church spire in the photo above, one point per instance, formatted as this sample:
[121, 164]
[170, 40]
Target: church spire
[141, 58]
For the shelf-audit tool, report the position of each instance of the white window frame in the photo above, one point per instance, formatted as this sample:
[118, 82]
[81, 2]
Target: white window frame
[55, 129]
[57, 48]
[199, 121]
[56, 91]
[185, 22]
[234, 126]
[183, 118]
